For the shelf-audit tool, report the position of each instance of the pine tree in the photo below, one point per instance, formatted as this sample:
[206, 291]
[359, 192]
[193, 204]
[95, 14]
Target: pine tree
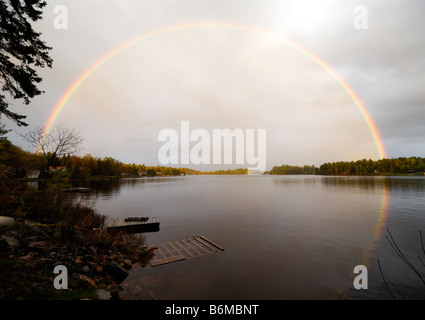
[21, 50]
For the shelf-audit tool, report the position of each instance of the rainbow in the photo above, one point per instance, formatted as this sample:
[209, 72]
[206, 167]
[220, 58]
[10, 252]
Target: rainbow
[126, 45]
[379, 228]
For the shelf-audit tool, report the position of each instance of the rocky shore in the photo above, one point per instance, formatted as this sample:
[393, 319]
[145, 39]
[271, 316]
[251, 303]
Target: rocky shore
[29, 252]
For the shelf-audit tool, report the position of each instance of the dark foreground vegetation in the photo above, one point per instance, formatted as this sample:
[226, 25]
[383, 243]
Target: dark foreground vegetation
[51, 227]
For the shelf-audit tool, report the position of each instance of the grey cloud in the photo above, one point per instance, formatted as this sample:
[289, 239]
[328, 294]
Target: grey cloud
[229, 79]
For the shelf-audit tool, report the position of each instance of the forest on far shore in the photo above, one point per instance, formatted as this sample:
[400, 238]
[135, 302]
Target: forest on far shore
[398, 166]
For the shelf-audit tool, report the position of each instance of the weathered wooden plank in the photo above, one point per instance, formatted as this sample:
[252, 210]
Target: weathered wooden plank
[206, 244]
[201, 246]
[214, 244]
[195, 252]
[157, 262]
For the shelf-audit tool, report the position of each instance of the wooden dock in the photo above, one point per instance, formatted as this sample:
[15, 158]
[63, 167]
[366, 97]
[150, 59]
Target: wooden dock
[191, 247]
[135, 225]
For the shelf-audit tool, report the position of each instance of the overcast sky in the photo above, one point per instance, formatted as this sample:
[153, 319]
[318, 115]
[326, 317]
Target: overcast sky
[224, 77]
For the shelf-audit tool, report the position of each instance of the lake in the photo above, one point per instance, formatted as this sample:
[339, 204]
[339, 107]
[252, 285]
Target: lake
[285, 237]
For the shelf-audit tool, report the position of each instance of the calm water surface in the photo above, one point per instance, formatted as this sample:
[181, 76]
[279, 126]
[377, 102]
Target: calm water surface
[285, 237]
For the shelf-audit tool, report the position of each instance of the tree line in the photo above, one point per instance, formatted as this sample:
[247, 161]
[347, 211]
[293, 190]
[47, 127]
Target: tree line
[288, 169]
[54, 162]
[87, 166]
[396, 166]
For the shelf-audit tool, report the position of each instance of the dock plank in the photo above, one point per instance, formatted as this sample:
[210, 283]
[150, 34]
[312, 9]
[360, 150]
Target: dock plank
[214, 244]
[206, 244]
[188, 248]
[134, 226]
[175, 258]
[184, 248]
[201, 246]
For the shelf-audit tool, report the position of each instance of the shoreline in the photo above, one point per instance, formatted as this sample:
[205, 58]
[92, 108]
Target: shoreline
[419, 174]
[30, 252]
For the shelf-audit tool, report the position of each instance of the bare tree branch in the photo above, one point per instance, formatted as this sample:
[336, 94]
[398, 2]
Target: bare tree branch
[403, 257]
[57, 143]
[385, 281]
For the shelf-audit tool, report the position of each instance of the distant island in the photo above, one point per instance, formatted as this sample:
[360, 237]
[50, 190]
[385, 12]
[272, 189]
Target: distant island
[383, 167]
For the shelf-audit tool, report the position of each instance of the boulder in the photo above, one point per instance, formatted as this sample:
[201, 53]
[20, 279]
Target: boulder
[6, 222]
[115, 271]
[103, 294]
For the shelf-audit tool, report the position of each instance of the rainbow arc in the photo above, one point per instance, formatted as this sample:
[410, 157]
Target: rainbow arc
[60, 105]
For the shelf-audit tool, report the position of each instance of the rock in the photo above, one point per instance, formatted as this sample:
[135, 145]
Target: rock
[78, 260]
[6, 222]
[88, 279]
[114, 289]
[92, 264]
[115, 271]
[37, 245]
[27, 257]
[103, 294]
[11, 242]
[127, 263]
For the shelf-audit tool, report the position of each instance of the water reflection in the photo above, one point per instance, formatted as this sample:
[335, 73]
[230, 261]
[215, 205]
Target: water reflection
[109, 187]
[416, 184]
